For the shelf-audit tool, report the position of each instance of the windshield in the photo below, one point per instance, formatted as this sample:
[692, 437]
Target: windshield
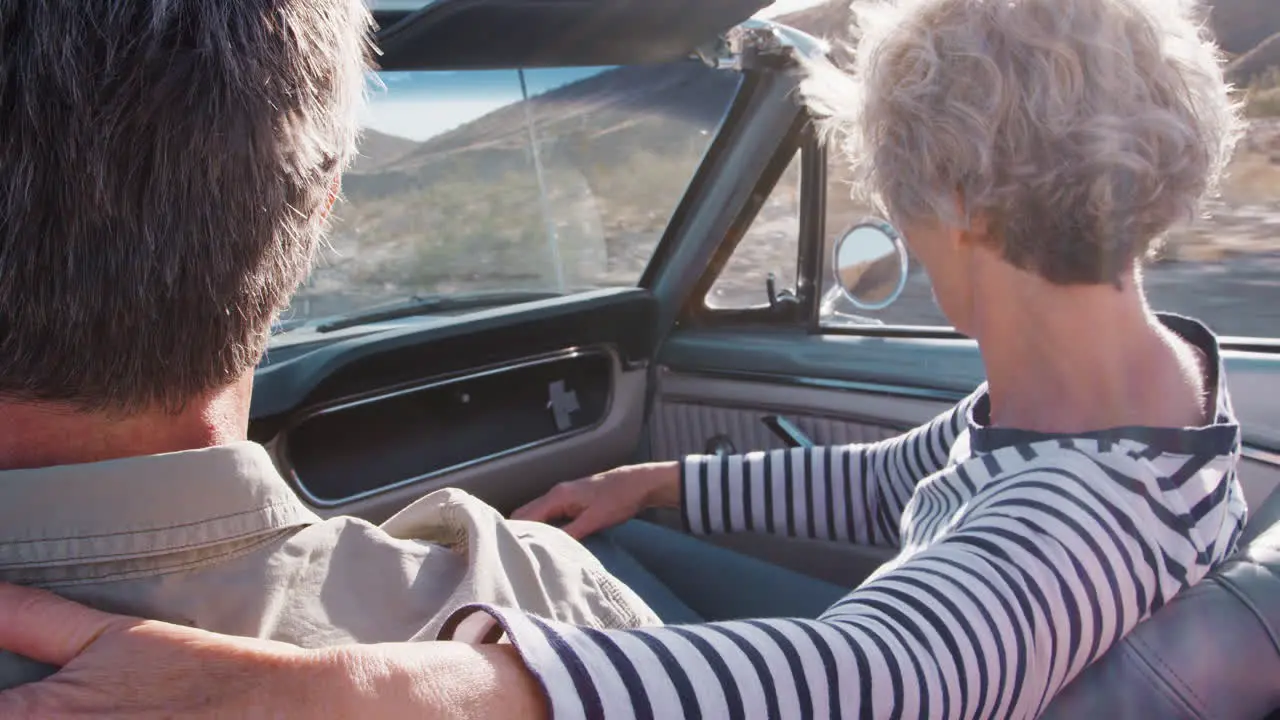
[774, 9]
[556, 179]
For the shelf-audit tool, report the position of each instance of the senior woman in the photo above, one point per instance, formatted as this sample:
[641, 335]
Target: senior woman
[1032, 151]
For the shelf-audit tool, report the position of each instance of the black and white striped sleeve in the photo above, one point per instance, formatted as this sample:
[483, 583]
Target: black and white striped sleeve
[1039, 578]
[853, 493]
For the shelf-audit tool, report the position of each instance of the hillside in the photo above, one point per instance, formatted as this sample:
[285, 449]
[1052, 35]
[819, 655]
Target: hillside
[378, 150]
[1241, 25]
[601, 101]
[1256, 63]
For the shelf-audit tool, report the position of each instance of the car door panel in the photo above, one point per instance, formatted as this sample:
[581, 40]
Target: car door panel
[692, 409]
[693, 427]
[873, 404]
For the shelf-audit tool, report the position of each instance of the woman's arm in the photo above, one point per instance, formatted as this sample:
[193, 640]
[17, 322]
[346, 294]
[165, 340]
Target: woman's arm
[1042, 574]
[848, 492]
[852, 493]
[119, 666]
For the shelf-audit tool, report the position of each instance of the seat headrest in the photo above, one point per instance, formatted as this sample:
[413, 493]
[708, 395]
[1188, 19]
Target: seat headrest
[1212, 652]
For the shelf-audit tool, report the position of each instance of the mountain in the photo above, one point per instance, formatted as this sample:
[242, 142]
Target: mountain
[376, 150]
[601, 104]
[1241, 25]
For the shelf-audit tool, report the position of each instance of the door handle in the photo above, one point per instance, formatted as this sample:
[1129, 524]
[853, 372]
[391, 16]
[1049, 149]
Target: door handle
[720, 445]
[787, 431]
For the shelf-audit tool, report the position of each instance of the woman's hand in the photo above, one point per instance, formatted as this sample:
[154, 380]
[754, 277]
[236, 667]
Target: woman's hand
[130, 667]
[602, 501]
[117, 666]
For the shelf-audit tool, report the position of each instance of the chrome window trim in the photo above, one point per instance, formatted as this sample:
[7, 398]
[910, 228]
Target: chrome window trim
[860, 386]
[1259, 455]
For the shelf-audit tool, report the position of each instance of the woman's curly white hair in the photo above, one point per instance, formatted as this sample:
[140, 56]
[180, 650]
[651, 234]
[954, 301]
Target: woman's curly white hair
[1082, 130]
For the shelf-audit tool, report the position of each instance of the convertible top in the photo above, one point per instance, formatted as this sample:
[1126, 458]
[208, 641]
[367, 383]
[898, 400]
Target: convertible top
[474, 34]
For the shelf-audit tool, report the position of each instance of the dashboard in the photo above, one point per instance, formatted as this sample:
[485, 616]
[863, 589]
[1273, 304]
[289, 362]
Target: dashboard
[365, 421]
[427, 429]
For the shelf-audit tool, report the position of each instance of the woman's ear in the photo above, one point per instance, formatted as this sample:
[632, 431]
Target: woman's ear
[962, 231]
[978, 231]
[976, 228]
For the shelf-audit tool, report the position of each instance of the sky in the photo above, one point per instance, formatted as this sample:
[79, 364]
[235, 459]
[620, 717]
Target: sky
[421, 105]
[784, 7]
[866, 244]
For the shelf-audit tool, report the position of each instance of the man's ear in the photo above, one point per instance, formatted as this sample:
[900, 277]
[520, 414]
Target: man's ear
[334, 190]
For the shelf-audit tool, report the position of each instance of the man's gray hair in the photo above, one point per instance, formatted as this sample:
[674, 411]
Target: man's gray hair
[1083, 129]
[165, 169]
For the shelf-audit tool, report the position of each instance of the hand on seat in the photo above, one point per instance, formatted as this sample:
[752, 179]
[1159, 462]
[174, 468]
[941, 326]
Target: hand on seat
[607, 499]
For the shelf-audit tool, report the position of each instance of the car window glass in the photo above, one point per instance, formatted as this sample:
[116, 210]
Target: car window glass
[770, 246]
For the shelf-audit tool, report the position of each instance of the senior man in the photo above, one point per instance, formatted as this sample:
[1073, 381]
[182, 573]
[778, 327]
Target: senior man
[166, 168]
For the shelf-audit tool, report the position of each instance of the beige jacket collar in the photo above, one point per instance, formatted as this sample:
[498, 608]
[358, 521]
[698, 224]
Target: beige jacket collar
[143, 506]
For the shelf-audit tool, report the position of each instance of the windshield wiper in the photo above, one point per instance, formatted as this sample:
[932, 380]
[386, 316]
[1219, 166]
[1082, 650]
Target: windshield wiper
[426, 304]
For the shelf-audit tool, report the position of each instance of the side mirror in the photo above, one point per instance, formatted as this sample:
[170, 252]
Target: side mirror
[871, 264]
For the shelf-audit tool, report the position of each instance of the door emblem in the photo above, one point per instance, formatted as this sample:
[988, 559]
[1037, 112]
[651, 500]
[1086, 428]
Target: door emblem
[563, 404]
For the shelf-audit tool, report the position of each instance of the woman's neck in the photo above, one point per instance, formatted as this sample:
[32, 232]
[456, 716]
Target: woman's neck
[1067, 359]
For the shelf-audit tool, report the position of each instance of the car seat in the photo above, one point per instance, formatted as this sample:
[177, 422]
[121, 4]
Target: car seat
[1212, 652]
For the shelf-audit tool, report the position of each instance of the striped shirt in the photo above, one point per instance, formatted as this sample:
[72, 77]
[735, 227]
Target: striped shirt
[1023, 558]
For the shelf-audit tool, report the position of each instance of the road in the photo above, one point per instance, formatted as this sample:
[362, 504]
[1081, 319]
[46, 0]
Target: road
[1238, 296]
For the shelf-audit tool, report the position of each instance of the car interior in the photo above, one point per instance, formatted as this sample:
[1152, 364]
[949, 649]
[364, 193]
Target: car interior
[504, 395]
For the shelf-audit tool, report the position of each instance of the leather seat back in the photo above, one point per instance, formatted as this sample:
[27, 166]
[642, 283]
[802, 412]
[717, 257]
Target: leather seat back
[1212, 652]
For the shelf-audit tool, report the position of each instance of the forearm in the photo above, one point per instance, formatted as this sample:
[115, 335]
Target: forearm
[428, 680]
[664, 487]
[145, 669]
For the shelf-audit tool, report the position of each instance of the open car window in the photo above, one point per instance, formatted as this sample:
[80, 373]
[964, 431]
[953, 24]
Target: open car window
[768, 250]
[1223, 268]
[556, 179]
